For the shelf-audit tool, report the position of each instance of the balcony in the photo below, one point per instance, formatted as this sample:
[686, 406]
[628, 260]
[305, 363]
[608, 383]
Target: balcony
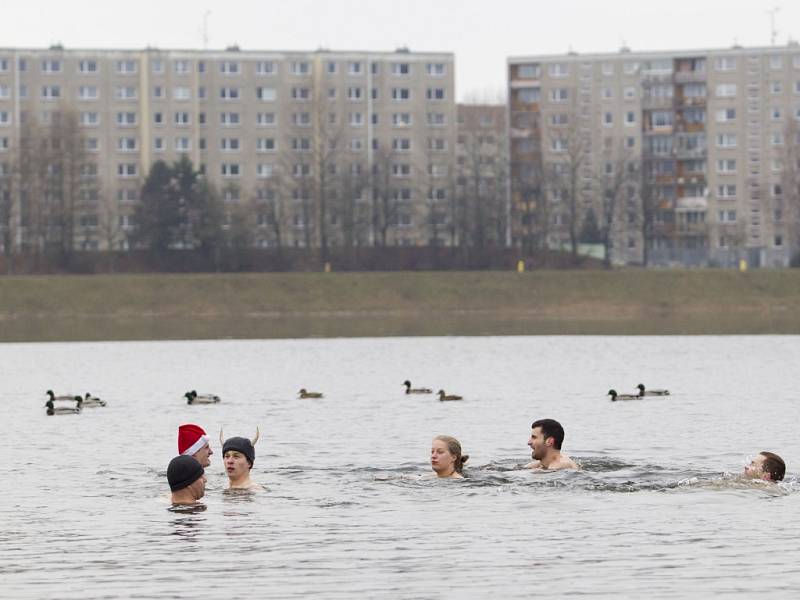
[649, 103]
[689, 76]
[692, 203]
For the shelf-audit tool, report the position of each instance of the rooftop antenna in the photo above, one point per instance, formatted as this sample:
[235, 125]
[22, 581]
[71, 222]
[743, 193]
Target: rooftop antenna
[772, 31]
[205, 29]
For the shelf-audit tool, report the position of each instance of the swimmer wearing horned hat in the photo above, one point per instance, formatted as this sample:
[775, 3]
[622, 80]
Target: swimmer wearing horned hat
[238, 456]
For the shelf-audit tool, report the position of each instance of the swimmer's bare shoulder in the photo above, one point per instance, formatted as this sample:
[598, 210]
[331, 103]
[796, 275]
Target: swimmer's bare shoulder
[563, 462]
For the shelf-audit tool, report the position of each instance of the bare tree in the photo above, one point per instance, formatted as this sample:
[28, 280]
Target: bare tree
[617, 177]
[385, 196]
[790, 185]
[565, 181]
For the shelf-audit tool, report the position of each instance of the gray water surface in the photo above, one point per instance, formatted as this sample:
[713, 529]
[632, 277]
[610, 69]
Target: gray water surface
[347, 513]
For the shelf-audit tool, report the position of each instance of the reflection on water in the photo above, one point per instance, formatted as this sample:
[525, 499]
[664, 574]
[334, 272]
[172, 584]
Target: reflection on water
[350, 508]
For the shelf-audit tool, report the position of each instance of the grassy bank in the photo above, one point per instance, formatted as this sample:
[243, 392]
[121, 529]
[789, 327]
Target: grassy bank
[114, 307]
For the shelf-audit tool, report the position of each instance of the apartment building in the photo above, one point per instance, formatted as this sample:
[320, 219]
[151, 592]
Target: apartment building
[264, 127]
[684, 155]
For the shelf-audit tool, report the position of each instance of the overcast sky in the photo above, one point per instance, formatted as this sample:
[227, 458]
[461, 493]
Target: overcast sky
[482, 34]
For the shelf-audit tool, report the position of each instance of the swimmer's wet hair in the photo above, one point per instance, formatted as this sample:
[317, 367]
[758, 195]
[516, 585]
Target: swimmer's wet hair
[774, 465]
[551, 428]
[454, 448]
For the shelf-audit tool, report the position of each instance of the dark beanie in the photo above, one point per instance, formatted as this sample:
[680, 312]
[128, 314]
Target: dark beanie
[242, 445]
[183, 471]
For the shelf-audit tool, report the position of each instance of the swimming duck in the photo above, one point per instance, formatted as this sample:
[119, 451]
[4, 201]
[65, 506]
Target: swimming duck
[194, 398]
[62, 410]
[444, 397]
[615, 396]
[410, 390]
[55, 398]
[643, 392]
[90, 400]
[306, 394]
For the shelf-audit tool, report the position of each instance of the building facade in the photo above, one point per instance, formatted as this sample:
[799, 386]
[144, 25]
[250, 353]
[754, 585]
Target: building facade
[302, 137]
[682, 157]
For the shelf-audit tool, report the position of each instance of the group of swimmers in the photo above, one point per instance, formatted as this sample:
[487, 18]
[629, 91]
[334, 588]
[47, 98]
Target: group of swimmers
[186, 472]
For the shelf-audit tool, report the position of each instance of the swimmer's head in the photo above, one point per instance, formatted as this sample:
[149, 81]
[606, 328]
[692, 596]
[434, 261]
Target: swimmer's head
[185, 472]
[546, 435]
[241, 445]
[766, 465]
[446, 450]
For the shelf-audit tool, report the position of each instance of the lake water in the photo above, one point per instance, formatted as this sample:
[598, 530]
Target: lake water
[346, 514]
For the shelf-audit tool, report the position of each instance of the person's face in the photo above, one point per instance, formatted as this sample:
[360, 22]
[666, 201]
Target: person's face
[198, 488]
[236, 464]
[755, 470]
[442, 462]
[539, 444]
[203, 455]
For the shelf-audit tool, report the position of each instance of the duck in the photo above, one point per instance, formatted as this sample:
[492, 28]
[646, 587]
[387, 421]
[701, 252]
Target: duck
[410, 390]
[306, 394]
[194, 398]
[615, 396]
[643, 392]
[54, 398]
[90, 400]
[62, 410]
[444, 397]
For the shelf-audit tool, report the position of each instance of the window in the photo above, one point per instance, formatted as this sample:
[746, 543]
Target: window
[356, 145]
[300, 67]
[182, 67]
[229, 67]
[265, 68]
[158, 118]
[229, 144]
[437, 144]
[182, 93]
[607, 69]
[89, 119]
[608, 93]
[355, 119]
[608, 119]
[5, 117]
[127, 144]
[264, 170]
[559, 95]
[87, 92]
[401, 119]
[401, 94]
[775, 87]
[301, 170]
[629, 92]
[727, 216]
[776, 138]
[182, 118]
[630, 68]
[401, 170]
[183, 144]
[266, 94]
[630, 118]
[439, 70]
[265, 144]
[157, 66]
[87, 67]
[726, 115]
[727, 190]
[158, 144]
[401, 144]
[158, 91]
[51, 92]
[127, 169]
[229, 93]
[775, 113]
[230, 169]
[401, 69]
[726, 90]
[726, 140]
[301, 93]
[331, 67]
[126, 67]
[775, 62]
[558, 70]
[51, 65]
[126, 118]
[355, 93]
[726, 165]
[529, 95]
[3, 65]
[301, 119]
[125, 92]
[230, 119]
[558, 145]
[725, 63]
[694, 90]
[436, 119]
[529, 71]
[435, 94]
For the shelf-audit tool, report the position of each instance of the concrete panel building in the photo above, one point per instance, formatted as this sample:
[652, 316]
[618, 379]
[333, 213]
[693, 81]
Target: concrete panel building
[696, 149]
[264, 126]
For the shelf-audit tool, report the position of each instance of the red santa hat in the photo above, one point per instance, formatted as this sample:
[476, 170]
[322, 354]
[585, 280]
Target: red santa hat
[191, 438]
